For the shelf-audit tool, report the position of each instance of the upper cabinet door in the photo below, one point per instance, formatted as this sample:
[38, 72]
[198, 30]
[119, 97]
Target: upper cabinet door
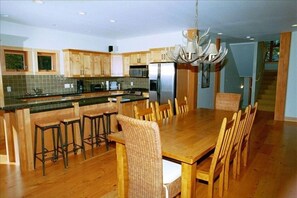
[139, 58]
[87, 69]
[159, 54]
[97, 66]
[126, 64]
[106, 64]
[75, 64]
[79, 63]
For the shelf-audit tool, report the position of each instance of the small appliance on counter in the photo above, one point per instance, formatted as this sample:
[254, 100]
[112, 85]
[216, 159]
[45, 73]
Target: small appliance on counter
[80, 86]
[113, 85]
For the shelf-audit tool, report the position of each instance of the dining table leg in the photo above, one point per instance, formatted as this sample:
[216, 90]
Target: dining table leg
[122, 172]
[188, 180]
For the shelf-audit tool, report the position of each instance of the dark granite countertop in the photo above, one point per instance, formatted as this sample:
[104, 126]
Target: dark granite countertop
[46, 102]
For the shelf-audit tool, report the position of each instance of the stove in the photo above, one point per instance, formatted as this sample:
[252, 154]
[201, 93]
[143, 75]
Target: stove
[135, 91]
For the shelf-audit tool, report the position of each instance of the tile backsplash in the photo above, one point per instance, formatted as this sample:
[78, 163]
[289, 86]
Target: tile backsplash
[25, 84]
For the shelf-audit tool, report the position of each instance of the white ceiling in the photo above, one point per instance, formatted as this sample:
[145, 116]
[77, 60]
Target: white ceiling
[234, 18]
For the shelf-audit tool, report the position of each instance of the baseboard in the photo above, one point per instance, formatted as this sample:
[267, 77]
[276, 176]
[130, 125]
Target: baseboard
[290, 119]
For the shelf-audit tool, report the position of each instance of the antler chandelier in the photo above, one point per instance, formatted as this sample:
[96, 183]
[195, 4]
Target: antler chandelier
[196, 50]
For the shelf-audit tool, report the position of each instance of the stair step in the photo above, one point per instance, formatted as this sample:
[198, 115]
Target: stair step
[268, 92]
[268, 82]
[266, 108]
[267, 96]
[268, 87]
[266, 102]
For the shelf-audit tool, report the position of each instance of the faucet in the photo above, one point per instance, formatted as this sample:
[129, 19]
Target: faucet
[37, 91]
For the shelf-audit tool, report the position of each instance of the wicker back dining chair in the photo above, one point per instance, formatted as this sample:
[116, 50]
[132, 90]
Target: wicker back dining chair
[246, 137]
[181, 106]
[227, 101]
[147, 114]
[233, 151]
[163, 110]
[213, 166]
[149, 175]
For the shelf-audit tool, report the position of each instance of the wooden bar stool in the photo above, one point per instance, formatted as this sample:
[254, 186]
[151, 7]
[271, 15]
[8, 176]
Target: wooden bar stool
[44, 126]
[107, 115]
[71, 121]
[95, 118]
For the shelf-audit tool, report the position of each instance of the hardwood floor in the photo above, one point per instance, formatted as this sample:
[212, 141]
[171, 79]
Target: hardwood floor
[271, 170]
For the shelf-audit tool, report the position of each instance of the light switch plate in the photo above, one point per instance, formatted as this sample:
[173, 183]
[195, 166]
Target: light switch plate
[8, 88]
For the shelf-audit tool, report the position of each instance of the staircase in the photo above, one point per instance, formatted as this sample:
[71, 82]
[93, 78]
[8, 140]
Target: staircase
[266, 97]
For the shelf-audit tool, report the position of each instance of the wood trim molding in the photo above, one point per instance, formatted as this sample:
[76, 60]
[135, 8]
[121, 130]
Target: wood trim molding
[282, 76]
[217, 74]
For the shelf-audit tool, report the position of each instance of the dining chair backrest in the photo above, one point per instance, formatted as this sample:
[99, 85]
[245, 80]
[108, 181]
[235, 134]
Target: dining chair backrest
[213, 166]
[163, 110]
[223, 142]
[250, 120]
[239, 129]
[181, 106]
[147, 114]
[244, 147]
[149, 175]
[227, 101]
[233, 151]
[144, 162]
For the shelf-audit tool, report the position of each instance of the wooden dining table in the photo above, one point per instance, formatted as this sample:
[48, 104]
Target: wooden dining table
[185, 138]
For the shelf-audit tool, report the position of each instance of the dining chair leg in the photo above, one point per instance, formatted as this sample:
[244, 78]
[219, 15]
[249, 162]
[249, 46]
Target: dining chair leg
[235, 161]
[226, 174]
[245, 154]
[210, 188]
[238, 162]
[221, 184]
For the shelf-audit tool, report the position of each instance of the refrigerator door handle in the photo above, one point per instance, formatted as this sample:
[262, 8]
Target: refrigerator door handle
[158, 88]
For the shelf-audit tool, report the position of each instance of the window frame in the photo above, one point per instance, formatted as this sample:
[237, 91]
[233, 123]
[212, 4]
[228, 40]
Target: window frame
[270, 49]
[16, 50]
[55, 61]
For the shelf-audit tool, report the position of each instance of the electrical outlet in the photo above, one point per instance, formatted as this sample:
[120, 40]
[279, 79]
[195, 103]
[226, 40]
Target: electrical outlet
[132, 83]
[8, 88]
[66, 86]
[71, 85]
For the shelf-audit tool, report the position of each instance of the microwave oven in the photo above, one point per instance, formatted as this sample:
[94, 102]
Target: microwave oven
[138, 71]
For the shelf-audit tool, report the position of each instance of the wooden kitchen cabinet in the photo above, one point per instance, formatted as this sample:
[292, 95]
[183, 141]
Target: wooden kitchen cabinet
[79, 63]
[160, 54]
[126, 64]
[97, 66]
[139, 58]
[106, 64]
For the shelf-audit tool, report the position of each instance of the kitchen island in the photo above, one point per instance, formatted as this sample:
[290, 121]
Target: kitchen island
[18, 117]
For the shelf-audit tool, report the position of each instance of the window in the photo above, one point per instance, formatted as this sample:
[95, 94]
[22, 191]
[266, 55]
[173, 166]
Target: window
[272, 51]
[16, 60]
[46, 61]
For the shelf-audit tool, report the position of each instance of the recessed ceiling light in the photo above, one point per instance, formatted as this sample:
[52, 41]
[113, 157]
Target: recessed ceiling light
[82, 13]
[220, 33]
[252, 38]
[38, 1]
[4, 15]
[294, 25]
[112, 21]
[248, 37]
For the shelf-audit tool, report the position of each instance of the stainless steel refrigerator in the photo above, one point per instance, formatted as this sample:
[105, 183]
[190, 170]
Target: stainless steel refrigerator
[162, 79]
